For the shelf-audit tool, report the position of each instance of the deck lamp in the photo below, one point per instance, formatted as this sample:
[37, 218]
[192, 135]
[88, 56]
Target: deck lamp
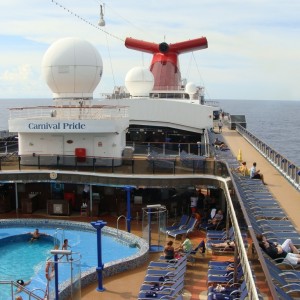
[99, 225]
[128, 216]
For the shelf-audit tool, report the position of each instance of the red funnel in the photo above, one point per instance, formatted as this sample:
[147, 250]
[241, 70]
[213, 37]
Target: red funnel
[165, 65]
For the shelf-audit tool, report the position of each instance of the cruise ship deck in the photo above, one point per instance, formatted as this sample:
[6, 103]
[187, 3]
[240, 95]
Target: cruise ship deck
[126, 285]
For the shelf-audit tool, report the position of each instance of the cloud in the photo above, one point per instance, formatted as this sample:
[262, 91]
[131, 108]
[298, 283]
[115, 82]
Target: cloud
[253, 48]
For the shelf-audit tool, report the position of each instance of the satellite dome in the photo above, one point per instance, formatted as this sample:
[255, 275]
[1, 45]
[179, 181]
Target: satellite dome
[139, 81]
[190, 88]
[72, 68]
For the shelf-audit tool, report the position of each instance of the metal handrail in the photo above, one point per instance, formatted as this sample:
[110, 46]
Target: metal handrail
[286, 167]
[254, 240]
[31, 293]
[251, 287]
[120, 217]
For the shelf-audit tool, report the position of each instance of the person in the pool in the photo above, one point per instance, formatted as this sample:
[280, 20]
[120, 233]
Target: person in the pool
[35, 235]
[21, 284]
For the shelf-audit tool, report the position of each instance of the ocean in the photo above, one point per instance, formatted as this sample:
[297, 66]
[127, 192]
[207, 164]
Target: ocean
[274, 122]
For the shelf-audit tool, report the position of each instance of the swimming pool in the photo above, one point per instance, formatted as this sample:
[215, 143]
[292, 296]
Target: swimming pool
[117, 254]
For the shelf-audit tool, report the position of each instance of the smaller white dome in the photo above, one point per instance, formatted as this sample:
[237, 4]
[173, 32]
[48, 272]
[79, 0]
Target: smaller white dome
[190, 88]
[139, 81]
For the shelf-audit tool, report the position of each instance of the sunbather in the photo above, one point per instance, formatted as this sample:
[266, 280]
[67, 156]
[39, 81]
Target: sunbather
[217, 218]
[185, 247]
[169, 250]
[285, 252]
[226, 245]
[243, 169]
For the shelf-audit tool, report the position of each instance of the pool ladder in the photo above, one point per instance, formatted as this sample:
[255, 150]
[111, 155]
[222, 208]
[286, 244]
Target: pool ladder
[120, 217]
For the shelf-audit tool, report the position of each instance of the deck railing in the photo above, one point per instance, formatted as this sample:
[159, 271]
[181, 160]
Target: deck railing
[240, 248]
[286, 167]
[13, 286]
[161, 164]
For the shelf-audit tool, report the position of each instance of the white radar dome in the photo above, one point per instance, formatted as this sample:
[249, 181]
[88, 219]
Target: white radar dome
[72, 68]
[190, 88]
[139, 81]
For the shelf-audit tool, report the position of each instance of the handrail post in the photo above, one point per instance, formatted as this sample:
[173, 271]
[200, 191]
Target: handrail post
[94, 164]
[57, 161]
[128, 219]
[19, 161]
[113, 165]
[132, 165]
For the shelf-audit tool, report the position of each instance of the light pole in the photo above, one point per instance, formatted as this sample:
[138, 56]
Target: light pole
[99, 225]
[128, 218]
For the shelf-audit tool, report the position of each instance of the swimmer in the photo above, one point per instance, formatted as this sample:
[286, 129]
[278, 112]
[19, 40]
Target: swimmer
[36, 235]
[21, 284]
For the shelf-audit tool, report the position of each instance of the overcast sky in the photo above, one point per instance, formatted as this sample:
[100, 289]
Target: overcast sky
[253, 46]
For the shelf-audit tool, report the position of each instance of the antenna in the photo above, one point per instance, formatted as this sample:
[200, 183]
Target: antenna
[101, 21]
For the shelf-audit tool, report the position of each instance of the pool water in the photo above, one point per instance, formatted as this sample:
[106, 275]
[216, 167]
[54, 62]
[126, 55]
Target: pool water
[21, 259]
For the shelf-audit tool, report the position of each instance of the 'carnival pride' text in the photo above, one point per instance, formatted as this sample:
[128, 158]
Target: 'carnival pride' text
[57, 126]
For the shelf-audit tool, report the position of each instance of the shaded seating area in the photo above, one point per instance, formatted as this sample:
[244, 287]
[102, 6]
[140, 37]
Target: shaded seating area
[192, 161]
[161, 161]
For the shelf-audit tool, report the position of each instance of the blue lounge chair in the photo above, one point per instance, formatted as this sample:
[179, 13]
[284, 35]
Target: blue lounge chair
[221, 265]
[229, 293]
[170, 264]
[171, 292]
[166, 271]
[288, 275]
[228, 278]
[189, 227]
[161, 277]
[284, 294]
[217, 272]
[183, 220]
[161, 272]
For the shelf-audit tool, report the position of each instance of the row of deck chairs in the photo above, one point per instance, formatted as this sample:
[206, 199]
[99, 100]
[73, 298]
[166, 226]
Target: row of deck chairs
[164, 279]
[223, 236]
[223, 282]
[286, 281]
[264, 211]
[268, 218]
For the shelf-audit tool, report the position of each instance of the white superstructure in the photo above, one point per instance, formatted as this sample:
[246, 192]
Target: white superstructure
[73, 127]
